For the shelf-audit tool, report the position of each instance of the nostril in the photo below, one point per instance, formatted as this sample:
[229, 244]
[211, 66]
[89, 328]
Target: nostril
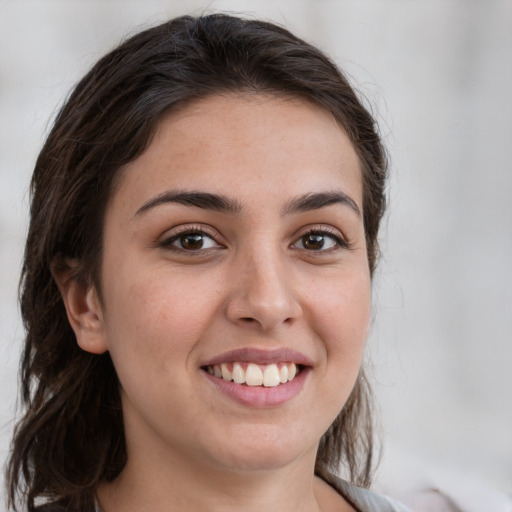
[247, 319]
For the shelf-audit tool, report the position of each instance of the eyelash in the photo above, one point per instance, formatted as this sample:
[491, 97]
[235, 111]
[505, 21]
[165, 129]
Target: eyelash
[167, 243]
[324, 232]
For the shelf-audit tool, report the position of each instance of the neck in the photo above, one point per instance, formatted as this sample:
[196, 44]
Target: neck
[185, 485]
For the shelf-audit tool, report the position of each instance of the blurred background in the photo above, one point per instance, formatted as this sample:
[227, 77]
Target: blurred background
[438, 76]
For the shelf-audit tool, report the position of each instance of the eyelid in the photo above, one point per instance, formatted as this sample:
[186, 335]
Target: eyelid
[326, 230]
[174, 233]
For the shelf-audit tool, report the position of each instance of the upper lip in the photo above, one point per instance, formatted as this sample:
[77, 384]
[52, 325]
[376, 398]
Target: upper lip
[260, 356]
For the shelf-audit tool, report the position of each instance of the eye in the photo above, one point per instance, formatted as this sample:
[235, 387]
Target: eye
[319, 241]
[191, 241]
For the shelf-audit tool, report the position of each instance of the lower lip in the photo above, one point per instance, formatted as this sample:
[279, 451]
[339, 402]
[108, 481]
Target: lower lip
[260, 396]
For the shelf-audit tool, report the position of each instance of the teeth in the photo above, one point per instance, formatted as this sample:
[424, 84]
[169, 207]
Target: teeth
[226, 374]
[283, 374]
[238, 374]
[254, 375]
[269, 375]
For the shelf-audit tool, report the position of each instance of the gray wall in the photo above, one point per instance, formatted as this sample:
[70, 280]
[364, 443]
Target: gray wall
[439, 74]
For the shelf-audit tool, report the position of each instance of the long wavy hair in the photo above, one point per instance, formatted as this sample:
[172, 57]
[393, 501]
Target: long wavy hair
[71, 435]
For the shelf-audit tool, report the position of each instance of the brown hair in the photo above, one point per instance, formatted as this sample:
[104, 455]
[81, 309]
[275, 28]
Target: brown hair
[71, 436]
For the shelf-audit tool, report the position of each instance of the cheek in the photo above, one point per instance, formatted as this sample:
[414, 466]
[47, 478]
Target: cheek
[341, 320]
[155, 323]
[340, 315]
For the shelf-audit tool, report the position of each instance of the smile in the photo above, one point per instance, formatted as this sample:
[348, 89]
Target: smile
[252, 374]
[255, 377]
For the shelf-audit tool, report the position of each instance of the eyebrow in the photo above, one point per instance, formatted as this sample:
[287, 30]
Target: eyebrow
[204, 200]
[315, 201]
[224, 204]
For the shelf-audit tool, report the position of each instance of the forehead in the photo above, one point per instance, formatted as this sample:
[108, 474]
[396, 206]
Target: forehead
[234, 142]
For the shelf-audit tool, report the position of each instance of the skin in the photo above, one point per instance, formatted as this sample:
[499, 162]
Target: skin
[254, 283]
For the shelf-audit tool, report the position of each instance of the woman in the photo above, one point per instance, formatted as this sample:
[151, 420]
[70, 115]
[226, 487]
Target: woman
[197, 277]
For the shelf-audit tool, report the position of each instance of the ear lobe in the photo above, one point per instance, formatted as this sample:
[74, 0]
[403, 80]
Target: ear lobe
[82, 307]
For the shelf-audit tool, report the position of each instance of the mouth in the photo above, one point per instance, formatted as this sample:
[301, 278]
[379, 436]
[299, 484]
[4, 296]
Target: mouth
[259, 378]
[254, 374]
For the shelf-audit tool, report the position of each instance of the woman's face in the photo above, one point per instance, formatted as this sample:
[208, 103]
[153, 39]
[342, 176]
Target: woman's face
[236, 238]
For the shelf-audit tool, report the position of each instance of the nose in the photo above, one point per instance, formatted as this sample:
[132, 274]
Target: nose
[262, 294]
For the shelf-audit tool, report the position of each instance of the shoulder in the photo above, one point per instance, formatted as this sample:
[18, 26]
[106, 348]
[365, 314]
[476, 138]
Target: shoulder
[363, 499]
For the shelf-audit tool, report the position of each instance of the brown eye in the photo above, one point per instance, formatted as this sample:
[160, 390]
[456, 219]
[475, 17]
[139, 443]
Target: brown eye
[313, 242]
[319, 241]
[191, 241]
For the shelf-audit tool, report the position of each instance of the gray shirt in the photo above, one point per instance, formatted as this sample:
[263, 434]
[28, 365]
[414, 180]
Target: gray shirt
[363, 500]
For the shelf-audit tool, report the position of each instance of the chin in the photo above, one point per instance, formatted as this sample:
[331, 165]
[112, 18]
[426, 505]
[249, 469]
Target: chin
[265, 449]
[261, 460]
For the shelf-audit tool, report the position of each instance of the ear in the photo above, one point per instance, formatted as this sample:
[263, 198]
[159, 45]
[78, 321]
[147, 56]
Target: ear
[83, 306]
